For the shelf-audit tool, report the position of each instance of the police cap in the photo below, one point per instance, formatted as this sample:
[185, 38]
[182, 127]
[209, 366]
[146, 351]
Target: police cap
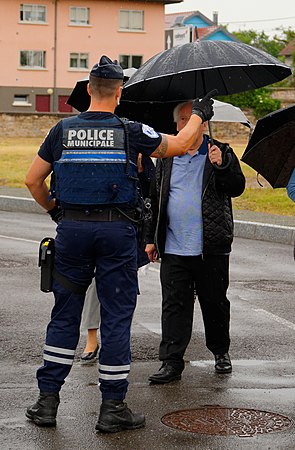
[106, 68]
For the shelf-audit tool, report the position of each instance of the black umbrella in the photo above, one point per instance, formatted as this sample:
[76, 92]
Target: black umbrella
[160, 115]
[79, 97]
[191, 70]
[271, 149]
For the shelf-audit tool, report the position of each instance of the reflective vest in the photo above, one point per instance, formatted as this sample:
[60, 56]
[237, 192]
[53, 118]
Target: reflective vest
[95, 167]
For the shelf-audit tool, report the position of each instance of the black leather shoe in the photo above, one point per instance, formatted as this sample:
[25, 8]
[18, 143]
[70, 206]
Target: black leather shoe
[43, 412]
[89, 357]
[166, 374]
[223, 363]
[116, 416]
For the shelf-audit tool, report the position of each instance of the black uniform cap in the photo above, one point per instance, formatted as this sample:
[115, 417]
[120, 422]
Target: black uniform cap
[106, 68]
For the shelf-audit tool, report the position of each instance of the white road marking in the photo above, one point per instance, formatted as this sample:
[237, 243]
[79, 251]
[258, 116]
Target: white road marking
[17, 198]
[18, 239]
[278, 319]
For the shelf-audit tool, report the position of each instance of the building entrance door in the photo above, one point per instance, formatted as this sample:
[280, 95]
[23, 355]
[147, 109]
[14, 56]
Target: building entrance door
[62, 104]
[43, 103]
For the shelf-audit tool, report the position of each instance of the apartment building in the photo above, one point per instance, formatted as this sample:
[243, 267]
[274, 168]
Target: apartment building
[47, 45]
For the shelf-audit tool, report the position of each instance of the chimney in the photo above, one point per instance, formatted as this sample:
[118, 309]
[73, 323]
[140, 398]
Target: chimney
[215, 17]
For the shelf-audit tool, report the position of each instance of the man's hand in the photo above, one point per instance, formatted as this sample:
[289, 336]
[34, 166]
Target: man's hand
[204, 108]
[214, 154]
[151, 251]
[55, 213]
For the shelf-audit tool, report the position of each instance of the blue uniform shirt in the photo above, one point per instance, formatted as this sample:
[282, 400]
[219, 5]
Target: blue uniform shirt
[184, 210]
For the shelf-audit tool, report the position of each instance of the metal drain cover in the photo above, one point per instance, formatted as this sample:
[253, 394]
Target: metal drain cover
[217, 420]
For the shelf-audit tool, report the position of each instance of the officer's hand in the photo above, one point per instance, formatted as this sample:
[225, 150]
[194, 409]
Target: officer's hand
[55, 213]
[204, 108]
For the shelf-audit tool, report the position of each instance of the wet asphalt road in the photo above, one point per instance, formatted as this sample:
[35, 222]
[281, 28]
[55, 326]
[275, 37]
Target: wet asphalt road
[262, 332]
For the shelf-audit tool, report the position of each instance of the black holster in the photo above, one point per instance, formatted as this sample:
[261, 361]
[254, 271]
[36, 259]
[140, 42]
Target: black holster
[46, 262]
[142, 226]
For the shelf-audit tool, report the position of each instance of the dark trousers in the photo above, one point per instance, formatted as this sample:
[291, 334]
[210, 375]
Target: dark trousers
[110, 250]
[181, 276]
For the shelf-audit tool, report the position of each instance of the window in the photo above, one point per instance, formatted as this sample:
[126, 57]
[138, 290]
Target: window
[79, 60]
[21, 100]
[79, 16]
[131, 20]
[32, 59]
[32, 13]
[127, 61]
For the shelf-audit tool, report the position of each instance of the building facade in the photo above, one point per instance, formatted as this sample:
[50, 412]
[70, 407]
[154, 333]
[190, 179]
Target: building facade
[47, 45]
[181, 28]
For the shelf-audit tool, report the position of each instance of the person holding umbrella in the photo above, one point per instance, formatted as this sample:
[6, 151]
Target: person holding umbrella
[96, 204]
[192, 233]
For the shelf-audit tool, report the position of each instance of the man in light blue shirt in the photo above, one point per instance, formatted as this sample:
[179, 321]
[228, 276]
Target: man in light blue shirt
[192, 232]
[184, 231]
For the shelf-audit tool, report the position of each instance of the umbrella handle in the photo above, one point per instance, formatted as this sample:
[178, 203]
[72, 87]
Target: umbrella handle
[210, 132]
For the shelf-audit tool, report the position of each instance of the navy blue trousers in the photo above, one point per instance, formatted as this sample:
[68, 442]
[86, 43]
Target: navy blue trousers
[108, 249]
[181, 277]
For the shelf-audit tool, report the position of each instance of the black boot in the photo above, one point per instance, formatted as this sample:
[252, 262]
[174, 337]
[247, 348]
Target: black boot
[223, 363]
[116, 416]
[43, 412]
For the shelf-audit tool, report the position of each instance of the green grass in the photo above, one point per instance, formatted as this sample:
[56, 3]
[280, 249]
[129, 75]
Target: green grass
[260, 198]
[266, 200]
[16, 155]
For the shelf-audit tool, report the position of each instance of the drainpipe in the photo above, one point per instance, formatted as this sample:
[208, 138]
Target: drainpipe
[54, 97]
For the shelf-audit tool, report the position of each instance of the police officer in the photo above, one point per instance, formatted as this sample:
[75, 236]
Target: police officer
[95, 202]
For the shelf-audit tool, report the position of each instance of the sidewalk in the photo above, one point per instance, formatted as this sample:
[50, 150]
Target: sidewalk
[248, 224]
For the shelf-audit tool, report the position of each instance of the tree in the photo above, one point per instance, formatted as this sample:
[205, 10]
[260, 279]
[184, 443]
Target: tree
[261, 40]
[260, 100]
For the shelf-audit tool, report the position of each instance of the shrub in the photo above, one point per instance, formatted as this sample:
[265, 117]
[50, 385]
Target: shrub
[259, 100]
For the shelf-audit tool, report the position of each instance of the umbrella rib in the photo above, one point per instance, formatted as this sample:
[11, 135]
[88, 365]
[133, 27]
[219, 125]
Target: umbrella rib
[223, 82]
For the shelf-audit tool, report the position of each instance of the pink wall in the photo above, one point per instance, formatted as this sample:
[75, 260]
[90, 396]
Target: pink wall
[101, 37]
[15, 37]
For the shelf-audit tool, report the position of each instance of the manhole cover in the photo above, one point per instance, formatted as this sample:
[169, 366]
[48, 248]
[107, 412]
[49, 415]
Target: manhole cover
[221, 421]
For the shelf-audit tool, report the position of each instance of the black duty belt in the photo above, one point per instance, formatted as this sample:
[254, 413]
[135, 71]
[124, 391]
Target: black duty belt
[97, 215]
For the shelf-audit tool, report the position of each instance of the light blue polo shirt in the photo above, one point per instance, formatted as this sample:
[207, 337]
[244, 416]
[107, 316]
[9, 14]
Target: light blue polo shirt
[184, 210]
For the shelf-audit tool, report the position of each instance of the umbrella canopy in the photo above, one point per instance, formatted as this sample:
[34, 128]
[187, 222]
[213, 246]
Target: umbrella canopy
[226, 112]
[160, 115]
[191, 70]
[79, 97]
[271, 148]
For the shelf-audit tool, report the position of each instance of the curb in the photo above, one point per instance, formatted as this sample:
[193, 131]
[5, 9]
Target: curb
[264, 232]
[243, 229]
[22, 204]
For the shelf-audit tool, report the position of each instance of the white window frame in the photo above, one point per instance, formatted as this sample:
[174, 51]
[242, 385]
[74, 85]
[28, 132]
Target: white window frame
[21, 100]
[31, 55]
[79, 59]
[34, 10]
[74, 10]
[130, 20]
[130, 62]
